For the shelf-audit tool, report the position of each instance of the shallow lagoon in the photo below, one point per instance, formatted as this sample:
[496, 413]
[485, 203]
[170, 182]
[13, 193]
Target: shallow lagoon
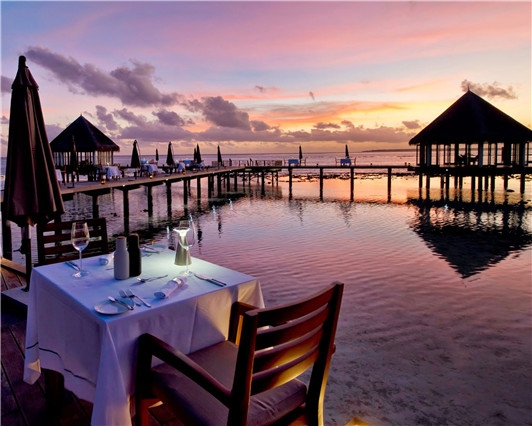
[436, 320]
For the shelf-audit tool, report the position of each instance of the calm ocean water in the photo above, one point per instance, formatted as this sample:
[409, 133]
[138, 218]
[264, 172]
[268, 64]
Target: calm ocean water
[437, 285]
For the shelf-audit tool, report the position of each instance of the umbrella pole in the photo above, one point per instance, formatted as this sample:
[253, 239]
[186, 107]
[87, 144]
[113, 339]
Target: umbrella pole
[26, 250]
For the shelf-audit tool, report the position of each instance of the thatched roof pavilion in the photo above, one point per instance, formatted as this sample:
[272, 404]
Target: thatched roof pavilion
[93, 147]
[473, 132]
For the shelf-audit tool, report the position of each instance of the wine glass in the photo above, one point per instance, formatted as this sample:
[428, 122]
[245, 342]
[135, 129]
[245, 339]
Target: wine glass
[187, 238]
[80, 240]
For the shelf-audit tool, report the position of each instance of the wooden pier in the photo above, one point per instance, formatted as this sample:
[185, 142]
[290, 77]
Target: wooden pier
[225, 179]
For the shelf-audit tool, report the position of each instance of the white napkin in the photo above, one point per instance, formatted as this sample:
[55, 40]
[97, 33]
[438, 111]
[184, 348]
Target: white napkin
[169, 288]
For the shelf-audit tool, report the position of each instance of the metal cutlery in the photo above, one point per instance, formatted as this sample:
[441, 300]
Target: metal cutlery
[212, 280]
[127, 296]
[145, 280]
[112, 299]
[133, 295]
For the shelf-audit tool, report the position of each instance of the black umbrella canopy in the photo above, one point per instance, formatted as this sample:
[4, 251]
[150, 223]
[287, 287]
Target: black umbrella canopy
[170, 155]
[156, 154]
[471, 119]
[220, 160]
[346, 151]
[32, 194]
[300, 153]
[135, 157]
[198, 155]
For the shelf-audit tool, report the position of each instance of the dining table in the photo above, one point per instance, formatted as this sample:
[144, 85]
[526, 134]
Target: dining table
[112, 172]
[74, 329]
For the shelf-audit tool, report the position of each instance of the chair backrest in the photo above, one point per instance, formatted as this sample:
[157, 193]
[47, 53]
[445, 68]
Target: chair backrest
[54, 245]
[280, 343]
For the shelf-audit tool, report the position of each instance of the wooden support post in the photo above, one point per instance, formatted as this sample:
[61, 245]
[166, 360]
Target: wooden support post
[321, 183]
[198, 189]
[150, 200]
[125, 208]
[290, 182]
[493, 182]
[262, 183]
[352, 184]
[169, 198]
[95, 207]
[505, 177]
[219, 184]
[389, 182]
[235, 181]
[185, 191]
[523, 180]
[420, 180]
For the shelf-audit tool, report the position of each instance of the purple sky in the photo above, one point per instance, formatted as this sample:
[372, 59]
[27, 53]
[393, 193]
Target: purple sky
[268, 76]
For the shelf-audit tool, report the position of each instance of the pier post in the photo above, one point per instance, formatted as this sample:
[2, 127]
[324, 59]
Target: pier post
[389, 182]
[185, 191]
[149, 188]
[290, 182]
[198, 189]
[321, 183]
[420, 180]
[125, 208]
[95, 207]
[262, 183]
[352, 184]
[235, 181]
[219, 184]
[169, 198]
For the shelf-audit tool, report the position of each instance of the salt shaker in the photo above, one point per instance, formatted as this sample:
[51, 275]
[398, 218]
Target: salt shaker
[121, 259]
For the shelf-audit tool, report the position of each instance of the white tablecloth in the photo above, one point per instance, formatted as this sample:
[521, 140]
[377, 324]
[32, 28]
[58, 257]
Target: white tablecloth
[59, 175]
[97, 353]
[112, 172]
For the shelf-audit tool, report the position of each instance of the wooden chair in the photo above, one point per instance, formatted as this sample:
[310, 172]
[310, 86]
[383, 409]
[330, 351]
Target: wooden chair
[249, 379]
[53, 241]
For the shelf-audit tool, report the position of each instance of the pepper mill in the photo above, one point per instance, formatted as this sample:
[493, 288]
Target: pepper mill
[135, 255]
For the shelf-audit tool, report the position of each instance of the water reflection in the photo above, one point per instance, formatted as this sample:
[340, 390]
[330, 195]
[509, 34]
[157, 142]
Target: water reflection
[472, 235]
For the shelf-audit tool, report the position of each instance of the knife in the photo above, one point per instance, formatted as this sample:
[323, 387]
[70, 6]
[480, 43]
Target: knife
[112, 299]
[212, 280]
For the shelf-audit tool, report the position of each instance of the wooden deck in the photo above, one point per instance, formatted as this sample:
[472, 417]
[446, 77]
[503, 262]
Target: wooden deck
[24, 404]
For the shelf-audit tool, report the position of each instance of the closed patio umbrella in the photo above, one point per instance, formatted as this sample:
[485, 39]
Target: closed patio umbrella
[170, 155]
[220, 160]
[156, 154]
[135, 157]
[346, 151]
[31, 193]
[198, 155]
[300, 154]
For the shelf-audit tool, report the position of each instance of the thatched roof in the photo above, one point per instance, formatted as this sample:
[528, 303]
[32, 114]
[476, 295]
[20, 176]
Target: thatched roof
[471, 119]
[87, 136]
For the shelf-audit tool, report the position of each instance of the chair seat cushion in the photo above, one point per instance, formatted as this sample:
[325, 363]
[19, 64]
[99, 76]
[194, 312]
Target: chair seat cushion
[202, 408]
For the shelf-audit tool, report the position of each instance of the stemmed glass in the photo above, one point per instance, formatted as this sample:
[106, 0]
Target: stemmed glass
[80, 240]
[187, 233]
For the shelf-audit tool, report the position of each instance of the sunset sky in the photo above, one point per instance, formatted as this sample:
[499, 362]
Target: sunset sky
[265, 76]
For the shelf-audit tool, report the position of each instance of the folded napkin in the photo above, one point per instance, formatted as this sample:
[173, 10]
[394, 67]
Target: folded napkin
[169, 288]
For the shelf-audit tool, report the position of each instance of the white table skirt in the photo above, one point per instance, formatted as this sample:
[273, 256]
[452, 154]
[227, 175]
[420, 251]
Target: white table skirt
[97, 353]
[112, 172]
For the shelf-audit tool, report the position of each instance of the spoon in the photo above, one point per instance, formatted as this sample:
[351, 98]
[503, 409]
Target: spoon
[145, 280]
[112, 299]
[126, 296]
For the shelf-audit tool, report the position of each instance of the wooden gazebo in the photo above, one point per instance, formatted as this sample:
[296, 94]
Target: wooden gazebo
[472, 132]
[92, 146]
